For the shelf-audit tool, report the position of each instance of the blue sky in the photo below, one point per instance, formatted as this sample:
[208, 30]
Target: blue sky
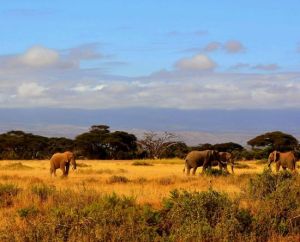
[133, 53]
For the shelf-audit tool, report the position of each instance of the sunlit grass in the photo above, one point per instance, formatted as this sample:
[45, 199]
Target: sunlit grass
[148, 184]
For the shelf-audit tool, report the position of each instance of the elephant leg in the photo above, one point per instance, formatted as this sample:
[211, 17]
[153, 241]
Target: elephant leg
[67, 168]
[188, 170]
[62, 167]
[205, 166]
[52, 170]
[194, 170]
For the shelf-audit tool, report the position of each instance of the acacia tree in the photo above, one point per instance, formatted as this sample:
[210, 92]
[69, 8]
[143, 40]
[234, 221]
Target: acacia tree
[155, 144]
[274, 141]
[100, 143]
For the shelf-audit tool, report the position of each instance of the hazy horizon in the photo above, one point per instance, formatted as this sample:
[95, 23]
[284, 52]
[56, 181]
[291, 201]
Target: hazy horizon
[192, 126]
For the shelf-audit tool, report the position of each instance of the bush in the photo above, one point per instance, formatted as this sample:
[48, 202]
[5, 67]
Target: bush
[141, 163]
[215, 172]
[165, 181]
[266, 183]
[117, 179]
[7, 192]
[43, 191]
[203, 216]
[140, 180]
[27, 212]
[279, 201]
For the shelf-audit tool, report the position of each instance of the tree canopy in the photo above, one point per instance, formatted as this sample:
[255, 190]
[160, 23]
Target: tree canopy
[274, 141]
[100, 143]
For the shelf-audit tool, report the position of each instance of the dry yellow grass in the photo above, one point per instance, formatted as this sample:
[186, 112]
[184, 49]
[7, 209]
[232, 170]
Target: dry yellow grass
[148, 184]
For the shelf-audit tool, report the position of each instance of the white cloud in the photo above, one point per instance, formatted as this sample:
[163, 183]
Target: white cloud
[196, 63]
[189, 85]
[234, 46]
[88, 88]
[30, 89]
[81, 88]
[39, 56]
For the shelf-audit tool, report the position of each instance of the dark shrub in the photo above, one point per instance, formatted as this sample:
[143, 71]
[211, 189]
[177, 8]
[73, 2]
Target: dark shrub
[215, 172]
[165, 181]
[43, 191]
[27, 212]
[203, 216]
[141, 163]
[117, 179]
[7, 192]
[278, 199]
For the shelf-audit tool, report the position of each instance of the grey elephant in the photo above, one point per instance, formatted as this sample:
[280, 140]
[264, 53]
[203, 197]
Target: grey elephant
[284, 159]
[195, 159]
[62, 161]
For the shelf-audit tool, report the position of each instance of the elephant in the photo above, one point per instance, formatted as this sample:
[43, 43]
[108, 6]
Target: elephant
[195, 159]
[62, 161]
[284, 159]
[226, 158]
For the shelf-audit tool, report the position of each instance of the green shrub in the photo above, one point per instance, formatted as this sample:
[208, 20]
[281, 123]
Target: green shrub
[43, 191]
[203, 216]
[266, 183]
[27, 212]
[215, 172]
[7, 192]
[278, 199]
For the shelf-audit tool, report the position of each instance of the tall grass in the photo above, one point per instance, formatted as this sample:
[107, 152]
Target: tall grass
[156, 203]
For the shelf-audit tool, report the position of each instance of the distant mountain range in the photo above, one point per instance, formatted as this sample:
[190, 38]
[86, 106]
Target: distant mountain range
[192, 126]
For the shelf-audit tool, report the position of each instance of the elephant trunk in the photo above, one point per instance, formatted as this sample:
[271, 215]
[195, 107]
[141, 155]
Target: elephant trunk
[269, 162]
[73, 164]
[232, 166]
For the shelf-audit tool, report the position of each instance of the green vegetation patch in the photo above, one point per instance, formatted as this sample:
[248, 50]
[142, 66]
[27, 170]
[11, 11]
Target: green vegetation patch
[43, 191]
[215, 172]
[7, 192]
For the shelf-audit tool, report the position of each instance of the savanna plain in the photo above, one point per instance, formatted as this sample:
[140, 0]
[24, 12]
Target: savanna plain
[147, 200]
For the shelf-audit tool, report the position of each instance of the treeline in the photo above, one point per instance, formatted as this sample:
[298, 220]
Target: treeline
[100, 143]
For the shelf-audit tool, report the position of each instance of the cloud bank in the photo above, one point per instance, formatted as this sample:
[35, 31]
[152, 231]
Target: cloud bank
[44, 77]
